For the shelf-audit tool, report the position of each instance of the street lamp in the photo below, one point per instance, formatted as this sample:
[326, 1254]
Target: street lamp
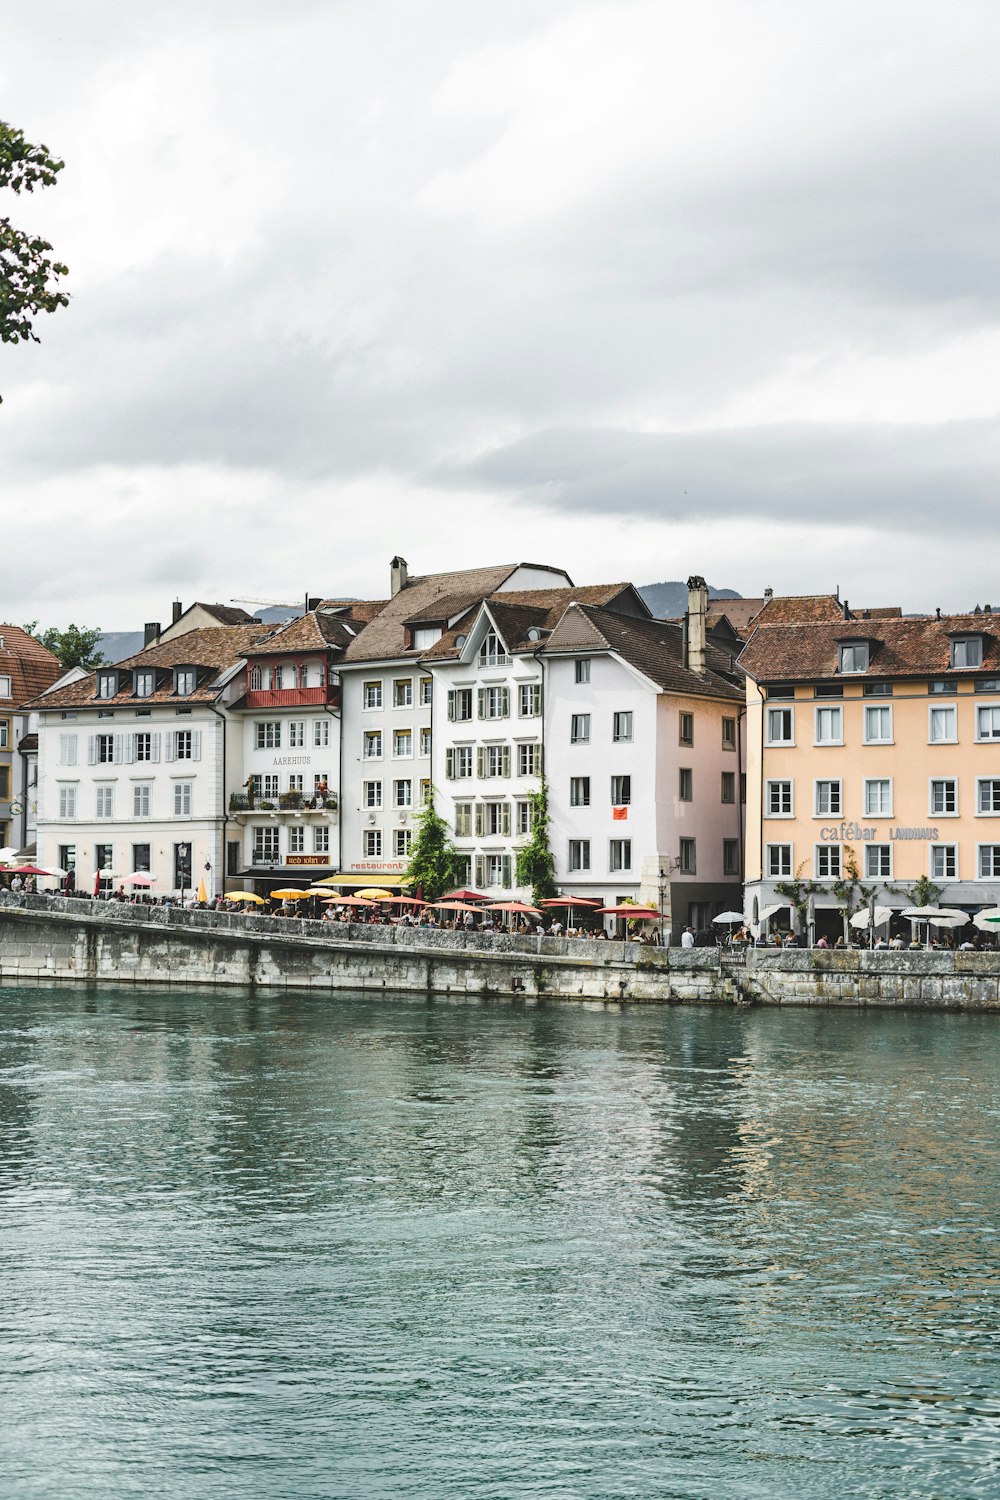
[183, 850]
[662, 882]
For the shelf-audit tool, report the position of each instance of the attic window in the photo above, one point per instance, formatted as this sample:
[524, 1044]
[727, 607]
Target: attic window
[460, 641]
[534, 634]
[967, 651]
[424, 636]
[185, 681]
[107, 684]
[854, 656]
[6, 688]
[145, 684]
[492, 653]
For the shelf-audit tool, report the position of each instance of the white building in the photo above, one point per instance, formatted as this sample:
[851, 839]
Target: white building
[26, 669]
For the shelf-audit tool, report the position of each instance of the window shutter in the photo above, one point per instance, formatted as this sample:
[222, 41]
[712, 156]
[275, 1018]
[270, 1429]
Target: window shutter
[480, 870]
[196, 744]
[123, 749]
[92, 749]
[480, 762]
[505, 760]
[480, 824]
[505, 872]
[449, 764]
[505, 819]
[154, 746]
[481, 701]
[171, 744]
[452, 701]
[505, 703]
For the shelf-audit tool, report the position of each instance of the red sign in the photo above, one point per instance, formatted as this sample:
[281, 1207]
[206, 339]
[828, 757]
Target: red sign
[619, 813]
[307, 859]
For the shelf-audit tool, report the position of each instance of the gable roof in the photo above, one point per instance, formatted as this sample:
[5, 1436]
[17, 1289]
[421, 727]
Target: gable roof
[213, 647]
[319, 630]
[653, 647]
[901, 646]
[30, 666]
[517, 612]
[425, 598]
[226, 614]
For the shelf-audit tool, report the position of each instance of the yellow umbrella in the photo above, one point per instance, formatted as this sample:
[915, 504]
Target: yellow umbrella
[244, 896]
[202, 893]
[374, 893]
[289, 895]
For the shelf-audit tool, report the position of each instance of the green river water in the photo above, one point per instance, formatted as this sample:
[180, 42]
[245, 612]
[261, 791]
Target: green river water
[273, 1245]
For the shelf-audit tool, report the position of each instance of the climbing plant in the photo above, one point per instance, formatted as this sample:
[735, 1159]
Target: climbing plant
[535, 864]
[435, 863]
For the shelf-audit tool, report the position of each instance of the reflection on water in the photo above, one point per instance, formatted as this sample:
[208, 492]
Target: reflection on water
[290, 1246]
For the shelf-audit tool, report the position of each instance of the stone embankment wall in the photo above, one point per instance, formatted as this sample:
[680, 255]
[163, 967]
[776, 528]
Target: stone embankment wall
[53, 938]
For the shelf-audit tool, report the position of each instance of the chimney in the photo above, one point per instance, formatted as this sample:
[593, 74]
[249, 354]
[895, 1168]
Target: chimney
[312, 604]
[694, 655]
[397, 575]
[178, 610]
[769, 593]
[846, 609]
[150, 633]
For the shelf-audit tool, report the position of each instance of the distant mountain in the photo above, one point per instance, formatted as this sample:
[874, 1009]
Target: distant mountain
[116, 645]
[667, 600]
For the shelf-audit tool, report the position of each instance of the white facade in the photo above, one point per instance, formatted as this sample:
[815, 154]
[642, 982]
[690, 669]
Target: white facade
[292, 753]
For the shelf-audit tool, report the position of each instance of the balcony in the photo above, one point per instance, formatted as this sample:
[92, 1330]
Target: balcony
[294, 697]
[284, 805]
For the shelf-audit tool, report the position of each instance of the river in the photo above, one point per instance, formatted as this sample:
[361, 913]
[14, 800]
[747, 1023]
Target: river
[270, 1245]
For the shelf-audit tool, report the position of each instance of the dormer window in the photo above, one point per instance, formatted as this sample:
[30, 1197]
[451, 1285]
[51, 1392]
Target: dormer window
[6, 689]
[425, 636]
[185, 681]
[107, 684]
[144, 684]
[854, 656]
[492, 652]
[966, 650]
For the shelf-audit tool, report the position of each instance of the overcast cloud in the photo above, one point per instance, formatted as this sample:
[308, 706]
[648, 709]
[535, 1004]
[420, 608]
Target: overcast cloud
[639, 289]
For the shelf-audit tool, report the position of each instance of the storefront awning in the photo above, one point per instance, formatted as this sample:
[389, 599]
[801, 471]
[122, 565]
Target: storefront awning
[363, 877]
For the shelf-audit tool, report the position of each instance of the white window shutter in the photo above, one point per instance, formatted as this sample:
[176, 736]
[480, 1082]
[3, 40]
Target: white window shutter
[505, 702]
[481, 700]
[505, 760]
[171, 744]
[92, 749]
[505, 875]
[479, 820]
[196, 744]
[154, 747]
[451, 703]
[480, 870]
[449, 764]
[505, 820]
[480, 762]
[123, 748]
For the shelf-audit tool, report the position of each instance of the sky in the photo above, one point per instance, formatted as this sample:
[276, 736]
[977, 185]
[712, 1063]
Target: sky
[635, 289]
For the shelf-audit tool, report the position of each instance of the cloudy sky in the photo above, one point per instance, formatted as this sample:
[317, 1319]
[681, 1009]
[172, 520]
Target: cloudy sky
[640, 289]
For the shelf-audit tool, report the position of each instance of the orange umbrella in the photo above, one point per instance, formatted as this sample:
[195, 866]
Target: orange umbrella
[638, 913]
[518, 907]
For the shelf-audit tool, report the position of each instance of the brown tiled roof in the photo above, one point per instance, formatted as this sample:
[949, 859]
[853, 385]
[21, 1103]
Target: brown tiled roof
[361, 610]
[30, 667]
[654, 647]
[316, 631]
[739, 612]
[516, 612]
[901, 646]
[214, 647]
[385, 637]
[226, 614]
[784, 609]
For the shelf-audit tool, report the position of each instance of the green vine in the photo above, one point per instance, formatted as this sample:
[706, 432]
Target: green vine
[535, 864]
[434, 861]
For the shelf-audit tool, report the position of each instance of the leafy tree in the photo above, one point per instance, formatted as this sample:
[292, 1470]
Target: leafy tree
[851, 894]
[535, 864]
[28, 274]
[434, 861]
[797, 892]
[75, 646]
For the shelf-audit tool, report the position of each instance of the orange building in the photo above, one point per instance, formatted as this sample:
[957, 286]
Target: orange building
[874, 739]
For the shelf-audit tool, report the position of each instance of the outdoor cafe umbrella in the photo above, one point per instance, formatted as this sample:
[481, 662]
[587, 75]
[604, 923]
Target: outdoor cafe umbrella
[519, 908]
[245, 896]
[862, 918]
[375, 893]
[387, 900]
[289, 895]
[465, 896]
[337, 900]
[582, 904]
[729, 918]
[7, 854]
[988, 920]
[28, 870]
[646, 913]
[140, 877]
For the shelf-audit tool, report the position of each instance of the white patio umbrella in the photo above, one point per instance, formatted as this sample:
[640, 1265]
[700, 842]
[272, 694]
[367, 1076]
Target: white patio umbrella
[729, 918]
[7, 855]
[926, 913]
[882, 915]
[949, 917]
[988, 920]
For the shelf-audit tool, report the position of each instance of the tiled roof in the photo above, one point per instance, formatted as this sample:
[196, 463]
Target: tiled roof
[214, 648]
[30, 667]
[784, 609]
[360, 610]
[516, 612]
[384, 638]
[316, 631]
[902, 646]
[654, 647]
[226, 614]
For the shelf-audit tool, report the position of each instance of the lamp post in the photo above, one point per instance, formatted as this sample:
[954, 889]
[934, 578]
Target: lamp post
[662, 882]
[183, 850]
[208, 883]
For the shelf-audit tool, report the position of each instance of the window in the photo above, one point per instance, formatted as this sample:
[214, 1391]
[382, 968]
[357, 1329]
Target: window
[579, 729]
[988, 795]
[492, 652]
[944, 796]
[402, 793]
[620, 855]
[686, 729]
[267, 734]
[104, 855]
[144, 746]
[321, 733]
[621, 791]
[581, 669]
[497, 870]
[458, 763]
[4, 785]
[829, 726]
[142, 793]
[67, 801]
[140, 858]
[296, 781]
[425, 742]
[373, 843]
[494, 702]
[145, 684]
[778, 860]
[878, 798]
[729, 786]
[579, 854]
[529, 699]
[425, 790]
[463, 820]
[876, 689]
[878, 724]
[621, 727]
[827, 861]
[372, 695]
[494, 760]
[944, 861]
[729, 734]
[67, 749]
[878, 861]
[107, 684]
[689, 857]
[828, 799]
[104, 748]
[321, 839]
[989, 861]
[967, 651]
[493, 819]
[371, 794]
[265, 845]
[182, 799]
[401, 840]
[579, 791]
[730, 856]
[685, 788]
[105, 801]
[988, 685]
[402, 692]
[459, 704]
[940, 687]
[372, 744]
[988, 723]
[529, 760]
[778, 799]
[943, 726]
[183, 746]
[6, 688]
[426, 691]
[402, 743]
[854, 657]
[296, 734]
[780, 692]
[185, 681]
[525, 823]
[780, 723]
[269, 786]
[296, 839]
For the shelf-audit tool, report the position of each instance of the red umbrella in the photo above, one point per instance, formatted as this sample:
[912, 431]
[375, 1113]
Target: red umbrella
[465, 896]
[517, 907]
[399, 901]
[350, 901]
[641, 913]
[24, 870]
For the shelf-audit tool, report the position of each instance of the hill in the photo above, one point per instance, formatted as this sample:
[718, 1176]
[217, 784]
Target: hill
[668, 600]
